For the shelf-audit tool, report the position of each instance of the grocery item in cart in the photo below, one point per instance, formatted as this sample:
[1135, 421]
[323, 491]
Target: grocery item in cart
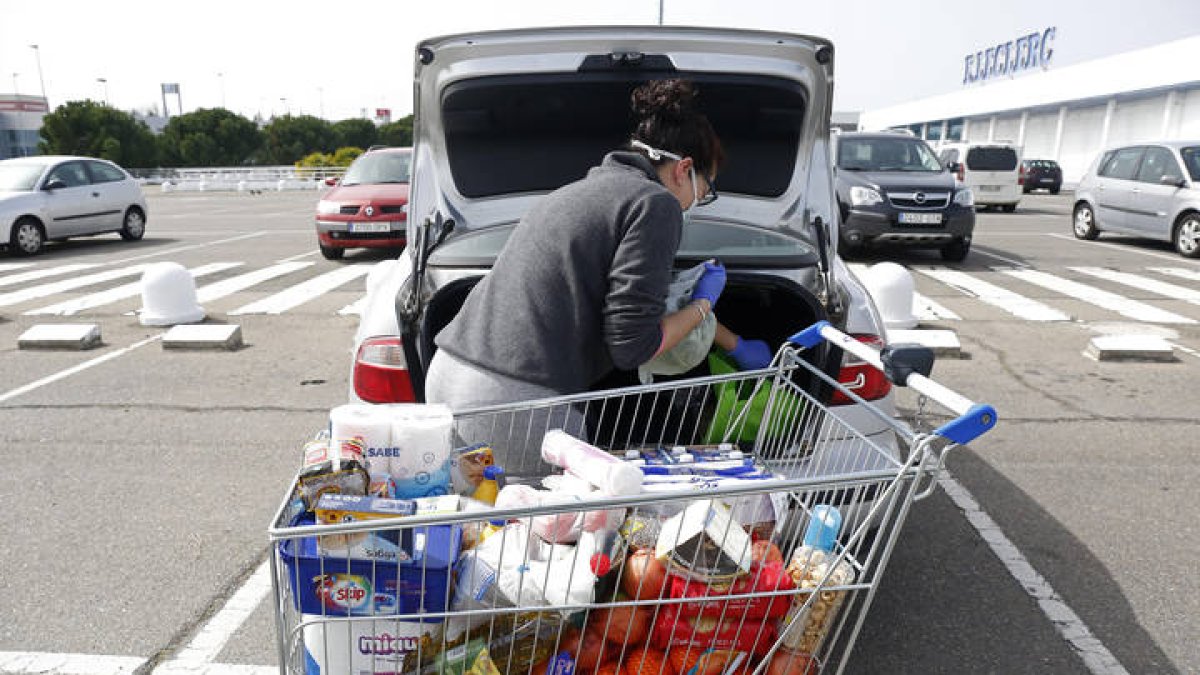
[734, 633]
[609, 474]
[808, 622]
[467, 465]
[421, 444]
[704, 542]
[762, 580]
[365, 647]
[332, 466]
[416, 580]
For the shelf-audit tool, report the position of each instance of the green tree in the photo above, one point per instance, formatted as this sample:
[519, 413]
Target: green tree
[315, 160]
[398, 134]
[345, 156]
[355, 133]
[93, 129]
[209, 137]
[289, 138]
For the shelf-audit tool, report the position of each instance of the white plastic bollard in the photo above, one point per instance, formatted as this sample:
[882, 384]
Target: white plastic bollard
[891, 286]
[280, 185]
[169, 296]
[241, 187]
[202, 186]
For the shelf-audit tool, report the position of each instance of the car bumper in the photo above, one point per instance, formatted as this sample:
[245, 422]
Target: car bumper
[337, 234]
[864, 227]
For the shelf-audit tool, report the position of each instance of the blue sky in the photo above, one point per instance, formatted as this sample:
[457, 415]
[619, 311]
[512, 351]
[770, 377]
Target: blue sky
[339, 58]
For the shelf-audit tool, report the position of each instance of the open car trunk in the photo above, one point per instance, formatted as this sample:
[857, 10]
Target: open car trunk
[753, 306]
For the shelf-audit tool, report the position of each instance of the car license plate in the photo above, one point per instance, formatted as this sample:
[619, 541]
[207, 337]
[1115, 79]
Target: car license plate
[371, 227]
[921, 218]
[989, 188]
[1047, 180]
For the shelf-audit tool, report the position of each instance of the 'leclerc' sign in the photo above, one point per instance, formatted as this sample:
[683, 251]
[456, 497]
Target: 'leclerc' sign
[1026, 52]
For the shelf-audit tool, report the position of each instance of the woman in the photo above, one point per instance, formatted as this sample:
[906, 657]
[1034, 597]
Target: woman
[580, 287]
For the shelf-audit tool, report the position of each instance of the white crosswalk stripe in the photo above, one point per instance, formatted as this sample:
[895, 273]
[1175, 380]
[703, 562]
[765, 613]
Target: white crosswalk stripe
[304, 292]
[71, 307]
[8, 267]
[1181, 272]
[243, 281]
[355, 308]
[1142, 283]
[1013, 303]
[1132, 309]
[35, 292]
[34, 275]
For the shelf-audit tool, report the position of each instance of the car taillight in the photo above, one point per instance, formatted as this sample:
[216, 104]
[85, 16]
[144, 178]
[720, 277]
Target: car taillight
[381, 371]
[1021, 175]
[962, 173]
[861, 377]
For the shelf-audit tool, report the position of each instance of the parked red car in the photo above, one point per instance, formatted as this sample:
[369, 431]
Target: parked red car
[368, 207]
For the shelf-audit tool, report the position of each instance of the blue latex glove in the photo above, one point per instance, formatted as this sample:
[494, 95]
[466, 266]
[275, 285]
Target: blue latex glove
[710, 284]
[751, 354]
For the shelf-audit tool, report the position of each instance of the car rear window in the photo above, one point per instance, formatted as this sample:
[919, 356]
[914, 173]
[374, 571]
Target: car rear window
[520, 134]
[1042, 164]
[991, 159]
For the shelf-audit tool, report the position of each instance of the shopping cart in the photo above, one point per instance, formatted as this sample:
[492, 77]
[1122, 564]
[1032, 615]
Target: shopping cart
[764, 559]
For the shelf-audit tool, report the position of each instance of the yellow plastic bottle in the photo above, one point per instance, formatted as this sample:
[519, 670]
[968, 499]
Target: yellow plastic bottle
[489, 487]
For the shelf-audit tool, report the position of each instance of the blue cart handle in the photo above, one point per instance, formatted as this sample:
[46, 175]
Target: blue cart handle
[974, 419]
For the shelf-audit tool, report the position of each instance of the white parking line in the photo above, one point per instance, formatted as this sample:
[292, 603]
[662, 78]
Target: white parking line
[302, 293]
[1010, 261]
[926, 309]
[298, 256]
[1094, 654]
[1013, 303]
[1180, 272]
[25, 389]
[68, 664]
[243, 281]
[8, 267]
[34, 275]
[1100, 298]
[35, 292]
[190, 247]
[214, 635]
[1126, 249]
[71, 307]
[1142, 283]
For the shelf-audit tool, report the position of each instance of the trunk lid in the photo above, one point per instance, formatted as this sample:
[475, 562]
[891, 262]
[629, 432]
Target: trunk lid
[505, 117]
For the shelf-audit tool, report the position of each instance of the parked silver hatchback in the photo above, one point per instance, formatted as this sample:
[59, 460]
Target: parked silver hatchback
[1149, 190]
[50, 198]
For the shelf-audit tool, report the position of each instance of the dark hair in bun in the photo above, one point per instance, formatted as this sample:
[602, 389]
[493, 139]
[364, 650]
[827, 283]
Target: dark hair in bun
[669, 118]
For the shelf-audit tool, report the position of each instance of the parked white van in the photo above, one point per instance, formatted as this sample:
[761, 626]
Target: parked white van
[992, 171]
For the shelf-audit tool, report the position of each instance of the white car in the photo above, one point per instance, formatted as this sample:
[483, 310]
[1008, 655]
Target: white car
[993, 171]
[504, 118]
[51, 198]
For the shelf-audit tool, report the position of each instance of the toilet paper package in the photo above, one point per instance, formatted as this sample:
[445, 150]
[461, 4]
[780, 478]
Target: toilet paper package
[366, 647]
[372, 424]
[419, 456]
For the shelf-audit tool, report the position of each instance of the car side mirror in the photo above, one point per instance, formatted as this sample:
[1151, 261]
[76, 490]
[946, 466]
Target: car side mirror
[331, 181]
[1172, 181]
[55, 184]
[952, 167]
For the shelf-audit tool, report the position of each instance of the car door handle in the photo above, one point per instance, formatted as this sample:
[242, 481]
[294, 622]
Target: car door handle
[95, 194]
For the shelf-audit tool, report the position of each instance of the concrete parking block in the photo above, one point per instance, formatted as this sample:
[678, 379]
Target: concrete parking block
[944, 343]
[77, 336]
[204, 336]
[1130, 348]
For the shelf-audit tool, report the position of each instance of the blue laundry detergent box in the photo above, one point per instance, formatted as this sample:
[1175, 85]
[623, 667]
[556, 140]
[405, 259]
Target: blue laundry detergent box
[414, 578]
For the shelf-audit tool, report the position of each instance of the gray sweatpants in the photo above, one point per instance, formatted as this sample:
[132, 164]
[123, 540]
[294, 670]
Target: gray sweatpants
[515, 435]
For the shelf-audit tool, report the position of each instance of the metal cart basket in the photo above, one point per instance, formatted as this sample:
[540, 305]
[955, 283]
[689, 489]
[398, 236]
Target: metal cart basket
[756, 545]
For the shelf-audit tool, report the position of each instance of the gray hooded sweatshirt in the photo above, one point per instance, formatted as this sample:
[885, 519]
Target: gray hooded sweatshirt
[581, 285]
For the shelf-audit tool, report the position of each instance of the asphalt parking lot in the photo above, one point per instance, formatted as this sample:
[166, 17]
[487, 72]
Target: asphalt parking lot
[145, 479]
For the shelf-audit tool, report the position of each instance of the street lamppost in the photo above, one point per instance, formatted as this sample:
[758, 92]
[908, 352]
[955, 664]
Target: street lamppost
[104, 82]
[321, 99]
[37, 53]
[221, 78]
[286, 110]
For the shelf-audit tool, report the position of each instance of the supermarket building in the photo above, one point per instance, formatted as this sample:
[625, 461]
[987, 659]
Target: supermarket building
[1012, 92]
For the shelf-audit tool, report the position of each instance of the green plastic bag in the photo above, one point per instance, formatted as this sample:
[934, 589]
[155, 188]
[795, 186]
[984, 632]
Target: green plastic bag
[733, 397]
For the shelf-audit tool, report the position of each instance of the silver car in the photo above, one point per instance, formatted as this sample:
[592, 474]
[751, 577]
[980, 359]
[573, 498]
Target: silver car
[504, 118]
[51, 198]
[1149, 190]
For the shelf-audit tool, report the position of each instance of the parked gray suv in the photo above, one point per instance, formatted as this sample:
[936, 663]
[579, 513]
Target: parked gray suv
[1150, 190]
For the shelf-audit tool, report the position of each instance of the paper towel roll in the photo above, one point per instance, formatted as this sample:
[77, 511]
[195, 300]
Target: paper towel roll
[611, 475]
[421, 435]
[369, 422]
